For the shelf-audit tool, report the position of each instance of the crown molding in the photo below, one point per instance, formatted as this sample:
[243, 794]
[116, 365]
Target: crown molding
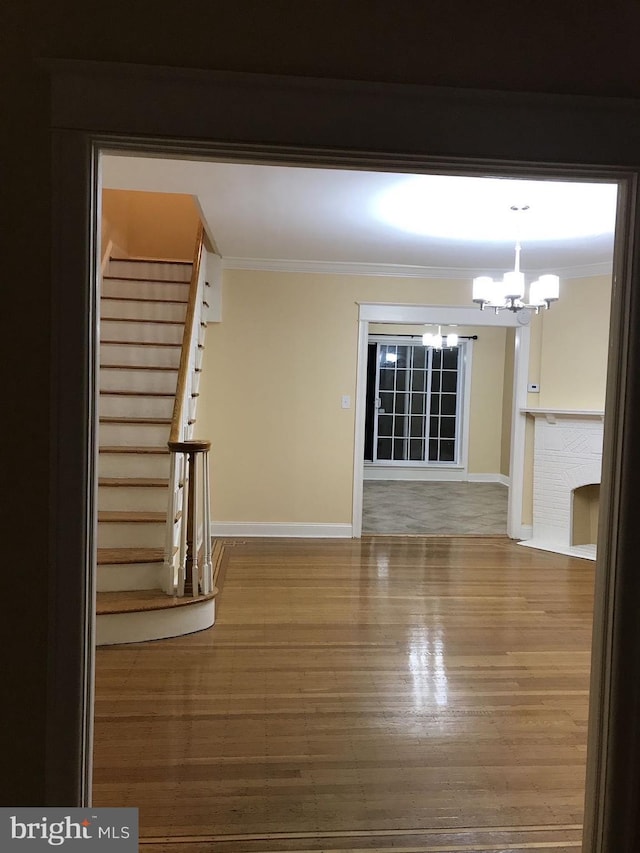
[396, 270]
[580, 270]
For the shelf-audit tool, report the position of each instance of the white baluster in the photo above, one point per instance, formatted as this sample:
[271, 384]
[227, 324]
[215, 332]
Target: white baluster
[182, 566]
[206, 526]
[169, 558]
[197, 580]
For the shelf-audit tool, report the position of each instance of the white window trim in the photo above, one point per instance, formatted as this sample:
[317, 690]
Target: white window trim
[462, 415]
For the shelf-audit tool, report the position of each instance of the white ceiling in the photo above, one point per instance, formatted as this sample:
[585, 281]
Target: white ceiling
[284, 217]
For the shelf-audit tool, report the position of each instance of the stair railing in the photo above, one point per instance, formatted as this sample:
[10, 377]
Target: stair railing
[194, 578]
[184, 534]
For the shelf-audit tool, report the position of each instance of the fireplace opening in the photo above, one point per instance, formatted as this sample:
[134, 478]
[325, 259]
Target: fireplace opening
[586, 504]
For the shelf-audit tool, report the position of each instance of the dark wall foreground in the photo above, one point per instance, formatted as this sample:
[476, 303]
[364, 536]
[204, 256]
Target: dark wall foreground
[565, 47]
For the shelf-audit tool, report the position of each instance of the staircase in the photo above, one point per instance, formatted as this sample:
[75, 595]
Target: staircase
[143, 308]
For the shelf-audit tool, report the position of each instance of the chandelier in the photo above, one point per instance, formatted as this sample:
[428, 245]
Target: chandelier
[437, 341]
[508, 294]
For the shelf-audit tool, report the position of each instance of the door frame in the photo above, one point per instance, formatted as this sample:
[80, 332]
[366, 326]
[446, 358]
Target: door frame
[269, 119]
[459, 315]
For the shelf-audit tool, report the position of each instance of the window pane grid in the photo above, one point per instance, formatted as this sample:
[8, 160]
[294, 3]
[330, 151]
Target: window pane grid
[418, 396]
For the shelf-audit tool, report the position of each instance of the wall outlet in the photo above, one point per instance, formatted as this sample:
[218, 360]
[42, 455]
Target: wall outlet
[533, 388]
[346, 401]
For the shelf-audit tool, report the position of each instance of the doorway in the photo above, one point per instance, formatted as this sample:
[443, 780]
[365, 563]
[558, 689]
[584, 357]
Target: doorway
[68, 715]
[457, 470]
[428, 314]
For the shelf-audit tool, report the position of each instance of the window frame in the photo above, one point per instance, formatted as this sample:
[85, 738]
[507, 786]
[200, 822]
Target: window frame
[462, 414]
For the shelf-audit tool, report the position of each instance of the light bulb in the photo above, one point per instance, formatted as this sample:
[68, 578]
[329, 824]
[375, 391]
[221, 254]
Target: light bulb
[550, 287]
[482, 288]
[544, 290]
[513, 284]
[452, 339]
[427, 339]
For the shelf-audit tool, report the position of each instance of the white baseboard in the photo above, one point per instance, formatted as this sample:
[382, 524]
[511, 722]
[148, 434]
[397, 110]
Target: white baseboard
[406, 472]
[583, 552]
[489, 478]
[434, 475]
[284, 529]
[526, 531]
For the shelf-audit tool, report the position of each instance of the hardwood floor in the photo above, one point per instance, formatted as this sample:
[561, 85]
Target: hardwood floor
[391, 693]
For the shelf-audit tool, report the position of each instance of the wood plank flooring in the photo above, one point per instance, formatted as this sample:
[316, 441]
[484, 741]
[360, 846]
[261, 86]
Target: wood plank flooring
[405, 694]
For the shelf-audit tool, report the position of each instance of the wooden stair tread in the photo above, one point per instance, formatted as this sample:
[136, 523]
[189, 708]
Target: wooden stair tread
[136, 393]
[124, 556]
[144, 299]
[107, 419]
[137, 259]
[145, 280]
[131, 517]
[112, 343]
[138, 367]
[135, 482]
[146, 320]
[138, 600]
[126, 448]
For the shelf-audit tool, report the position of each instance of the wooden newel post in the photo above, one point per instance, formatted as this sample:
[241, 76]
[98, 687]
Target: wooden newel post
[193, 579]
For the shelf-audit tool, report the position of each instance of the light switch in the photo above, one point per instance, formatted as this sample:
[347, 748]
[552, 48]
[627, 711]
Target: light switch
[533, 388]
[346, 401]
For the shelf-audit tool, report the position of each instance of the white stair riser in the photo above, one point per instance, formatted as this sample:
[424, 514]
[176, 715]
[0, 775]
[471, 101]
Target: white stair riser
[135, 407]
[161, 381]
[160, 271]
[164, 333]
[144, 289]
[131, 354]
[138, 627]
[133, 498]
[133, 435]
[132, 576]
[117, 534]
[123, 309]
[133, 465]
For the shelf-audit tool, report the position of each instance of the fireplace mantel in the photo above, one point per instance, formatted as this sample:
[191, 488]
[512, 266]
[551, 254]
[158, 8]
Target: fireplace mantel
[552, 415]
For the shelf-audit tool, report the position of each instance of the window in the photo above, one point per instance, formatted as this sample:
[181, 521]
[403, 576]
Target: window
[414, 396]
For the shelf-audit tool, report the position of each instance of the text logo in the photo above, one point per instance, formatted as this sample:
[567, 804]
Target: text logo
[102, 830]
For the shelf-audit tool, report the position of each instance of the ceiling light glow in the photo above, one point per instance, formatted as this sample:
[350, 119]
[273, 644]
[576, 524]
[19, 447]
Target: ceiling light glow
[478, 209]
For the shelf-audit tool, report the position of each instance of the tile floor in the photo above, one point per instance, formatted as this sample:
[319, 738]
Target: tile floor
[402, 507]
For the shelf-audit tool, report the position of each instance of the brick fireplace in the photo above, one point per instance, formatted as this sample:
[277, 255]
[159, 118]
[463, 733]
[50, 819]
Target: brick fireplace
[566, 476]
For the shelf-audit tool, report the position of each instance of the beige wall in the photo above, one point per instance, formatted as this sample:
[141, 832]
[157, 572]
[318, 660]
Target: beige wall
[485, 424]
[280, 362]
[286, 353]
[149, 225]
[535, 356]
[575, 339]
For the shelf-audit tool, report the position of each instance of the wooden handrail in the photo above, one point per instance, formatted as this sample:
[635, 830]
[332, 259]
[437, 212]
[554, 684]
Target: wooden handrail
[187, 338]
[106, 256]
[194, 445]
